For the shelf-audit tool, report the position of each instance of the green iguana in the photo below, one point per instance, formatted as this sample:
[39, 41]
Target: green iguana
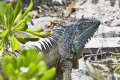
[63, 47]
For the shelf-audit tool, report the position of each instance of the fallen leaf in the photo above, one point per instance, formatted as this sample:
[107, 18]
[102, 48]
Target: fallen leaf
[34, 14]
[51, 24]
[69, 9]
[58, 20]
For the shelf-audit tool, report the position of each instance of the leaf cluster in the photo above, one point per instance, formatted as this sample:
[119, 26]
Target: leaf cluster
[12, 21]
[28, 66]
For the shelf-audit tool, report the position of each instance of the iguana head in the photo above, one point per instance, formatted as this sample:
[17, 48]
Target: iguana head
[85, 28]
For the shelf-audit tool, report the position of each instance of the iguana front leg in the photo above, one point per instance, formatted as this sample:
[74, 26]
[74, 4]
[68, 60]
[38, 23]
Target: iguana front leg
[66, 68]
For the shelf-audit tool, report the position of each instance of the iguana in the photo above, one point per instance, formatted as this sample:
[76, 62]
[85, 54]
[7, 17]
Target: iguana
[63, 47]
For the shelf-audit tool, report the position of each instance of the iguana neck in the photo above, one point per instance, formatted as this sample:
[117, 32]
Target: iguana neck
[65, 43]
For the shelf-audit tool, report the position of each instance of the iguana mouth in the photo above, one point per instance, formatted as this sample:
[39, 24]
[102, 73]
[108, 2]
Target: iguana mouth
[82, 38]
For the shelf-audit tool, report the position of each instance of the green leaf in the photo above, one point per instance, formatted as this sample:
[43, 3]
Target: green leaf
[1, 78]
[28, 18]
[3, 6]
[31, 39]
[28, 9]
[30, 57]
[32, 70]
[22, 27]
[9, 16]
[18, 9]
[23, 52]
[17, 25]
[14, 43]
[6, 41]
[38, 57]
[41, 67]
[41, 34]
[10, 70]
[13, 61]
[1, 44]
[18, 17]
[31, 54]
[4, 34]
[23, 40]
[5, 62]
[20, 61]
[35, 30]
[49, 74]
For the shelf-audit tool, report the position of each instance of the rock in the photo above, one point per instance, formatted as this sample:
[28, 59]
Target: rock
[40, 22]
[80, 74]
[103, 42]
[72, 16]
[57, 2]
[105, 32]
[115, 10]
[84, 77]
[115, 23]
[101, 10]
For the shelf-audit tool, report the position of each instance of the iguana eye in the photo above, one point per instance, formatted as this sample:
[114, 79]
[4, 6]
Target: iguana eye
[85, 25]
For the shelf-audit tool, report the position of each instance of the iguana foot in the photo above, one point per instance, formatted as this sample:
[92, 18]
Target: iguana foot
[66, 68]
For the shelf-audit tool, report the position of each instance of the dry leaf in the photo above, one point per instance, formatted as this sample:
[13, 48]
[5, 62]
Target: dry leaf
[56, 21]
[69, 9]
[34, 14]
[50, 24]
[47, 30]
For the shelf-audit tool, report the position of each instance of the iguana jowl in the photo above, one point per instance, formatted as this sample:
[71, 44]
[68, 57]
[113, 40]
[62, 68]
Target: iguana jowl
[64, 46]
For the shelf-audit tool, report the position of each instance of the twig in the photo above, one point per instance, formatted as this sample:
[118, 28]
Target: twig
[102, 54]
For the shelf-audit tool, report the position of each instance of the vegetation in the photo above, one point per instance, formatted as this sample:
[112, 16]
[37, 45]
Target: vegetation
[28, 66]
[12, 21]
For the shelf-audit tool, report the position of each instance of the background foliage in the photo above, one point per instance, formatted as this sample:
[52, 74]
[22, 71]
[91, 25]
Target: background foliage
[28, 66]
[12, 21]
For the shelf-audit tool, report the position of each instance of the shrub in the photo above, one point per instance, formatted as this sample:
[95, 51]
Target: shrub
[28, 66]
[12, 21]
